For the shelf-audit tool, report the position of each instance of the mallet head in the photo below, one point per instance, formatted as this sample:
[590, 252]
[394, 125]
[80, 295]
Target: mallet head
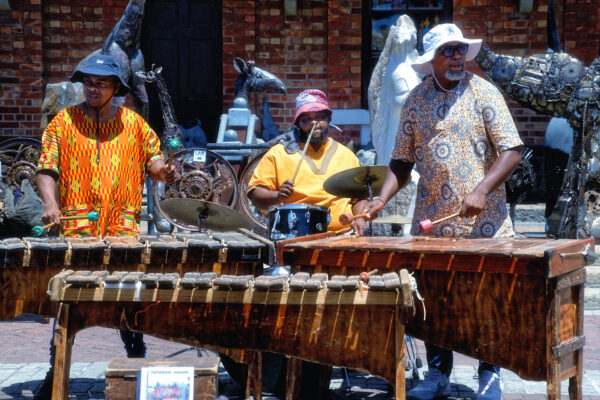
[93, 216]
[37, 231]
[426, 226]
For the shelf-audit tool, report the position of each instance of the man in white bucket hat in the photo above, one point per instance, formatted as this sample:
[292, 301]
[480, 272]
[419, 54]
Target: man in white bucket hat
[456, 128]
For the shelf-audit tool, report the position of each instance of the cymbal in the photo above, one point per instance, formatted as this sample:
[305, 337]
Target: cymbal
[393, 219]
[353, 182]
[214, 216]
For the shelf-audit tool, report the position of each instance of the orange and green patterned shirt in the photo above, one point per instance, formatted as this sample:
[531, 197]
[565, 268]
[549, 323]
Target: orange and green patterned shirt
[105, 175]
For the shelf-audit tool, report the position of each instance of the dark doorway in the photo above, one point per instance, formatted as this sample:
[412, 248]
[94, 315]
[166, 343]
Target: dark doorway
[184, 37]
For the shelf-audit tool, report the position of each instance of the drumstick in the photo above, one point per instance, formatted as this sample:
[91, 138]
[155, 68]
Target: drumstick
[347, 218]
[91, 216]
[303, 152]
[426, 225]
[173, 144]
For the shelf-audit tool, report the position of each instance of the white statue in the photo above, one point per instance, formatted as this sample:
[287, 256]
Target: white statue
[392, 79]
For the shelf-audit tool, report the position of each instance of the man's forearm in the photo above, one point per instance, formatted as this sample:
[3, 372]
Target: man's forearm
[263, 198]
[155, 170]
[501, 170]
[47, 187]
[396, 176]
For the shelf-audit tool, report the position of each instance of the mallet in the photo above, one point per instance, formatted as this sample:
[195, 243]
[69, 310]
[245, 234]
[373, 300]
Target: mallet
[91, 216]
[364, 276]
[303, 152]
[174, 145]
[426, 225]
[347, 218]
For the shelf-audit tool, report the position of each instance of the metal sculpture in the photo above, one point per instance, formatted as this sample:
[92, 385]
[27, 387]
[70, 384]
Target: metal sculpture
[521, 182]
[205, 175]
[171, 129]
[560, 85]
[253, 79]
[18, 161]
[239, 117]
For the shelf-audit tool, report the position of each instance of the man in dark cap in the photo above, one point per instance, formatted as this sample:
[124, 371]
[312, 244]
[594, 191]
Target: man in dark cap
[98, 154]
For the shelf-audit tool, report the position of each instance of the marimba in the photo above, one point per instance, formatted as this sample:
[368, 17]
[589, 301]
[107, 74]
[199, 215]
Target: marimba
[27, 265]
[516, 303]
[330, 321]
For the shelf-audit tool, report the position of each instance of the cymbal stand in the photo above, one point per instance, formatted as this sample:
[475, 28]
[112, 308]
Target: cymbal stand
[370, 187]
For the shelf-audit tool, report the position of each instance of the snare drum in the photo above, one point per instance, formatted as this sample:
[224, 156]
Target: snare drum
[288, 221]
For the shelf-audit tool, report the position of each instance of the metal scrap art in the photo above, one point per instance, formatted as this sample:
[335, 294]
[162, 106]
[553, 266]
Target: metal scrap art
[560, 85]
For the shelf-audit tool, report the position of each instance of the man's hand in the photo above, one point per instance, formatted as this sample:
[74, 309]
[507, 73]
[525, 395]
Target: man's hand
[473, 203]
[168, 174]
[160, 171]
[365, 207]
[285, 190]
[51, 214]
[360, 226]
[373, 208]
[501, 169]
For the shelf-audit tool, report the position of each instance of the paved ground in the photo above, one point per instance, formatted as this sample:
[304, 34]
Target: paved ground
[24, 357]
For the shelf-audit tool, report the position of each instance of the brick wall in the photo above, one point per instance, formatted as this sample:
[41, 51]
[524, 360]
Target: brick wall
[43, 40]
[21, 68]
[319, 47]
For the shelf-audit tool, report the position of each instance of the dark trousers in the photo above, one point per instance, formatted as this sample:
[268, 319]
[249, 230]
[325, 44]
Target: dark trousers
[133, 343]
[442, 360]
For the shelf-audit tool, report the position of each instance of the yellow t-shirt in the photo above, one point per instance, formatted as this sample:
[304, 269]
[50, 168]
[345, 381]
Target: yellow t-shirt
[277, 166]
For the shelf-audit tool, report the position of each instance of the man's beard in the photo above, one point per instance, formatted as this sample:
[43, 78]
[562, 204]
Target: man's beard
[304, 135]
[455, 76]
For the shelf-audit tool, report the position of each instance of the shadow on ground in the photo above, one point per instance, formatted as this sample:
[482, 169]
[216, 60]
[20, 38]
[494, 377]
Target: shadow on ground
[79, 389]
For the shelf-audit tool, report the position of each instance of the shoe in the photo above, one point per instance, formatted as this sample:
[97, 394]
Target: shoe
[435, 384]
[490, 386]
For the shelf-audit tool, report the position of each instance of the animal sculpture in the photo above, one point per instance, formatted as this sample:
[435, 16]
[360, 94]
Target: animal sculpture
[253, 79]
[123, 44]
[560, 85]
[393, 78]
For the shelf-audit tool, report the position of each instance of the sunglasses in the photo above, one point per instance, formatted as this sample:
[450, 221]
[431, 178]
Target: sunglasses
[448, 51]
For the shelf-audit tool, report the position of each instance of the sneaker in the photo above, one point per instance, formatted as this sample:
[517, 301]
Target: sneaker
[490, 386]
[435, 384]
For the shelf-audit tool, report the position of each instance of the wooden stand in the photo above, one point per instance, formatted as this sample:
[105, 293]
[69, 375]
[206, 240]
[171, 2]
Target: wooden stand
[358, 330]
[515, 303]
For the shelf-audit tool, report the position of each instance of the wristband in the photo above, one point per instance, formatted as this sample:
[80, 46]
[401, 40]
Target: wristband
[379, 198]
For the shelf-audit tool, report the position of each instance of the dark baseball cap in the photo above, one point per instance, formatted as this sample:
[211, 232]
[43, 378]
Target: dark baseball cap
[101, 65]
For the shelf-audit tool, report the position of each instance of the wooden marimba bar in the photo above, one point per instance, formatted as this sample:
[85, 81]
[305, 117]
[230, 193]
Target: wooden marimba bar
[516, 303]
[26, 265]
[335, 322]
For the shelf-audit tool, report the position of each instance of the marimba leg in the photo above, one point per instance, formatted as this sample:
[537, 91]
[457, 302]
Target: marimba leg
[254, 381]
[400, 384]
[576, 382]
[294, 369]
[63, 342]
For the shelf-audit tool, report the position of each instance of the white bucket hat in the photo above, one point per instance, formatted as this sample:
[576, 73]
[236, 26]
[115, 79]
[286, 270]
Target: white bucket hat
[437, 37]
